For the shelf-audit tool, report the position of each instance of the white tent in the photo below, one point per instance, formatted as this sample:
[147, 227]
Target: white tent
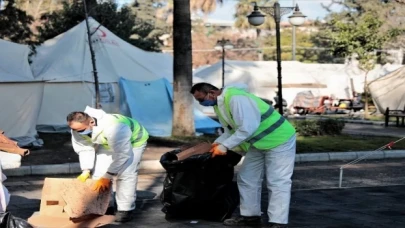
[64, 65]
[261, 77]
[20, 99]
[320, 79]
[255, 74]
[14, 66]
[66, 58]
[389, 91]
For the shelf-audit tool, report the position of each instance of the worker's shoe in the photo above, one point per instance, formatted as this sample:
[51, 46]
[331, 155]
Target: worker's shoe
[276, 225]
[244, 221]
[111, 211]
[124, 216]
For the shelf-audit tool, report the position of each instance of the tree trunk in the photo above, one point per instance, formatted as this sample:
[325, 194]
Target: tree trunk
[183, 118]
[366, 97]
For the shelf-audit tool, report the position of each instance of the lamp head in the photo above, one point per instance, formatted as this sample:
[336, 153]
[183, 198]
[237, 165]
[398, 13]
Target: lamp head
[256, 18]
[228, 45]
[297, 18]
[223, 44]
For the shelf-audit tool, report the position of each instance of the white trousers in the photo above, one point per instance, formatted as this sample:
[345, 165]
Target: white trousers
[125, 183]
[278, 163]
[4, 194]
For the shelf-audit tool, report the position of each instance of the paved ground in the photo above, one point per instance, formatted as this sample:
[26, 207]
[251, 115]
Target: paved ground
[373, 196]
[377, 130]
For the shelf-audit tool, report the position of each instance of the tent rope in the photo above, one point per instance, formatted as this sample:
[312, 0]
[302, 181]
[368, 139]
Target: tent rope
[388, 145]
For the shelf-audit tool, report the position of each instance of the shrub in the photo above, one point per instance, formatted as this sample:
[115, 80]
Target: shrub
[318, 127]
[307, 127]
[331, 126]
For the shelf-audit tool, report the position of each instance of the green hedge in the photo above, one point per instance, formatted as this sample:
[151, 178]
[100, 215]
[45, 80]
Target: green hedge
[318, 127]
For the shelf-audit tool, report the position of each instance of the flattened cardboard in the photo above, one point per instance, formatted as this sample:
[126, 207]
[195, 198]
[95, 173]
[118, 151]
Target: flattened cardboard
[54, 208]
[197, 149]
[10, 146]
[82, 200]
[52, 203]
[46, 221]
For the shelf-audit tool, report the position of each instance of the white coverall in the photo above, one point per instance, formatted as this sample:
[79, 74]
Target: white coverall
[121, 158]
[277, 163]
[4, 194]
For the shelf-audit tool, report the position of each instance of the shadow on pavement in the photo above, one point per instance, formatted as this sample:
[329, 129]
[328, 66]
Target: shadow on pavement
[149, 214]
[347, 207]
[351, 207]
[23, 207]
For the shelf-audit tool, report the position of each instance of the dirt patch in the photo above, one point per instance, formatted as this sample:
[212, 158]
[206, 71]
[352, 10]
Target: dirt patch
[57, 149]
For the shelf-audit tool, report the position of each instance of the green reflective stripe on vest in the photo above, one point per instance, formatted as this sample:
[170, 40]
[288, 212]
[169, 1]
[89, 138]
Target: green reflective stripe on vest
[273, 130]
[139, 134]
[269, 130]
[267, 114]
[264, 116]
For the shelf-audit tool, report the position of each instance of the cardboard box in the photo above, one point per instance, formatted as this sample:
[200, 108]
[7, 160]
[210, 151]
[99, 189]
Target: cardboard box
[197, 149]
[71, 203]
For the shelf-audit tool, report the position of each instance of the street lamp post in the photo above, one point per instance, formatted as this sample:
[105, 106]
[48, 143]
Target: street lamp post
[222, 45]
[256, 18]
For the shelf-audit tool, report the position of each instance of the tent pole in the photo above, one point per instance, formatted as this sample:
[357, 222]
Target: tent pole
[93, 59]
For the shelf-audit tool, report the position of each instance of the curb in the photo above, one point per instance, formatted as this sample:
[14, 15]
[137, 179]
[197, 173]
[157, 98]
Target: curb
[353, 121]
[154, 166]
[373, 134]
[369, 122]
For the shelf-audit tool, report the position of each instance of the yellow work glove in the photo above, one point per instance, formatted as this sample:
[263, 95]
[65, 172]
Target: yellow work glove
[84, 176]
[102, 184]
[218, 149]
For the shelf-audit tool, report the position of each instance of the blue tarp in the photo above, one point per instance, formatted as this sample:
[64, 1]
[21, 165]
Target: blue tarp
[151, 103]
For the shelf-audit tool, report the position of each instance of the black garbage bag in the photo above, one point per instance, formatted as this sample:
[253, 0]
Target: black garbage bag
[7, 220]
[199, 187]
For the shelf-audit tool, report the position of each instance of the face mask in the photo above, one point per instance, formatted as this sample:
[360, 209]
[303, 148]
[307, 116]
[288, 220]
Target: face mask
[208, 103]
[86, 132]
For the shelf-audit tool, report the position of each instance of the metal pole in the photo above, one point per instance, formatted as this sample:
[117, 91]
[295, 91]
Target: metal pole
[293, 37]
[340, 177]
[93, 59]
[223, 66]
[277, 18]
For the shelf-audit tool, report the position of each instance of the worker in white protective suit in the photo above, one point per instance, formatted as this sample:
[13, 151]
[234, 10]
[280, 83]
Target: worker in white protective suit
[4, 194]
[111, 147]
[269, 142]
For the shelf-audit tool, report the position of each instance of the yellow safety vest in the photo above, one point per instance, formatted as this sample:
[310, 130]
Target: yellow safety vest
[273, 130]
[139, 134]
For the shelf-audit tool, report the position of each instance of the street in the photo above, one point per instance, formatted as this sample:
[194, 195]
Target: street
[373, 195]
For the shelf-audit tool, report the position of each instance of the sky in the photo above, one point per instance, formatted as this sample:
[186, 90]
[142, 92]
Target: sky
[311, 8]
